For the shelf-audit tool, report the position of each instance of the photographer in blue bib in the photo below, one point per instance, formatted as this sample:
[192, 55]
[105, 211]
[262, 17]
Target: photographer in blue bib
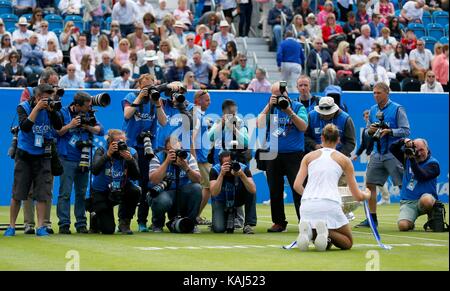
[232, 186]
[286, 121]
[142, 112]
[176, 188]
[74, 147]
[418, 195]
[38, 119]
[114, 167]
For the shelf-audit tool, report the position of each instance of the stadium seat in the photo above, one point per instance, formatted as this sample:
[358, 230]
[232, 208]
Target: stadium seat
[28, 16]
[77, 21]
[5, 7]
[395, 3]
[426, 18]
[397, 12]
[410, 85]
[394, 85]
[429, 42]
[444, 40]
[446, 29]
[107, 23]
[57, 31]
[440, 17]
[435, 30]
[418, 28]
[9, 20]
[54, 21]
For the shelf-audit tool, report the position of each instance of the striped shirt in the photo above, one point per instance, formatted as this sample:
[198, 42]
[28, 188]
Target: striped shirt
[155, 163]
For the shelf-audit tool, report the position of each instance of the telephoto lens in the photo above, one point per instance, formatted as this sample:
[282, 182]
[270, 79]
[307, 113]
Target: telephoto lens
[154, 94]
[148, 150]
[13, 147]
[122, 146]
[235, 166]
[181, 154]
[85, 159]
[179, 97]
[158, 188]
[283, 102]
[230, 213]
[102, 100]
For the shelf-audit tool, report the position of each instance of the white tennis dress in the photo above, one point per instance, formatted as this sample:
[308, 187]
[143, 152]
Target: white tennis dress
[321, 200]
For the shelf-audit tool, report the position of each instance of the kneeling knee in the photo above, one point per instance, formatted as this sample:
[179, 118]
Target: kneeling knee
[404, 225]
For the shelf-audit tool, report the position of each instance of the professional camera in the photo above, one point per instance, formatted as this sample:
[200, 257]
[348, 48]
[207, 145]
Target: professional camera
[146, 139]
[122, 146]
[85, 161]
[102, 100]
[282, 101]
[152, 93]
[59, 92]
[55, 104]
[87, 118]
[182, 154]
[180, 224]
[235, 165]
[158, 188]
[410, 151]
[13, 147]
[179, 97]
[380, 125]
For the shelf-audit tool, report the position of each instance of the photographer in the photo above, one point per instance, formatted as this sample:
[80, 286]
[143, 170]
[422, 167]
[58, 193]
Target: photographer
[174, 170]
[76, 135]
[32, 170]
[387, 124]
[232, 186]
[286, 121]
[419, 194]
[141, 116]
[114, 167]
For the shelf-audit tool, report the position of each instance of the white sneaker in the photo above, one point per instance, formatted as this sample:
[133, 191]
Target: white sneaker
[321, 241]
[266, 202]
[383, 202]
[350, 216]
[305, 235]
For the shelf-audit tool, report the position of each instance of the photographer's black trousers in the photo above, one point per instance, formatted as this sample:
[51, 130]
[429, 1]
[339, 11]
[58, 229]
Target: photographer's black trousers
[287, 164]
[143, 207]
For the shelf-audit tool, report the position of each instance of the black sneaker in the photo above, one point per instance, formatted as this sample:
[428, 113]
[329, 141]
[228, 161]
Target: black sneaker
[29, 230]
[50, 230]
[82, 229]
[277, 228]
[64, 230]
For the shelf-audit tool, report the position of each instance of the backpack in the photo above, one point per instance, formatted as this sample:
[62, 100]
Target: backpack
[436, 219]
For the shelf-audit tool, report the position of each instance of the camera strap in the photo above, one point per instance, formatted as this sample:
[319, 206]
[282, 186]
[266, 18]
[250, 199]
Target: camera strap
[177, 190]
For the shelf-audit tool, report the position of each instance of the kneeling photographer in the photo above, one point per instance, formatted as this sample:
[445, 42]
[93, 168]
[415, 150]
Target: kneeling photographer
[74, 147]
[176, 188]
[418, 196]
[142, 112]
[114, 168]
[232, 186]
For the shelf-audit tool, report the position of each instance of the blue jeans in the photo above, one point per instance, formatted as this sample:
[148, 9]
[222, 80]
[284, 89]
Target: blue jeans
[33, 69]
[219, 218]
[165, 202]
[71, 176]
[277, 35]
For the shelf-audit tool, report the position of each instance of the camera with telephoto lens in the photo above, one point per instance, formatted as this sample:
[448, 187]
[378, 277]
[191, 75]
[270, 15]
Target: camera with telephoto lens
[87, 118]
[182, 154]
[230, 214]
[180, 224]
[101, 100]
[85, 160]
[380, 125]
[54, 103]
[283, 102]
[13, 147]
[158, 188]
[146, 137]
[410, 150]
[153, 93]
[121, 146]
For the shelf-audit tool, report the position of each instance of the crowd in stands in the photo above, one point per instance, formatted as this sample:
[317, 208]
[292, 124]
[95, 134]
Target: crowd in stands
[109, 43]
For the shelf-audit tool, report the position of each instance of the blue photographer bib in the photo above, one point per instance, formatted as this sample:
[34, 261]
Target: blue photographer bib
[390, 118]
[413, 189]
[184, 179]
[317, 124]
[201, 145]
[229, 188]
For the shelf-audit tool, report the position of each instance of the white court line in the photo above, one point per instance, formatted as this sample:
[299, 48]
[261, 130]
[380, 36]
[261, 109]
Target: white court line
[382, 234]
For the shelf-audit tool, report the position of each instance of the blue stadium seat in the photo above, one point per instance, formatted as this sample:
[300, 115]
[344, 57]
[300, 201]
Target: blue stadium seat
[5, 7]
[446, 29]
[418, 28]
[54, 21]
[77, 21]
[9, 20]
[28, 16]
[107, 23]
[395, 3]
[426, 18]
[435, 30]
[397, 12]
[440, 17]
[57, 31]
[444, 40]
[429, 42]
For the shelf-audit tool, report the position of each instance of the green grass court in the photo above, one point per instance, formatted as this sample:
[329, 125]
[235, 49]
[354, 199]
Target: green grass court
[415, 250]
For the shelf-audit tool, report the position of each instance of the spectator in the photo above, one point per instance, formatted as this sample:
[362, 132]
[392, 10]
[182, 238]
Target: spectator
[14, 71]
[71, 80]
[352, 29]
[399, 63]
[290, 59]
[245, 8]
[341, 60]
[166, 55]
[166, 29]
[242, 73]
[123, 81]
[144, 8]
[189, 81]
[431, 85]
[211, 55]
[202, 71]
[122, 53]
[345, 6]
[412, 11]
[148, 46]
[177, 72]
[361, 15]
[375, 26]
[2, 29]
[32, 57]
[275, 19]
[77, 52]
[190, 48]
[228, 6]
[21, 35]
[86, 71]
[93, 35]
[312, 28]
[225, 82]
[36, 19]
[93, 11]
[161, 11]
[125, 13]
[151, 67]
[385, 10]
[332, 33]
[384, 59]
[69, 7]
[420, 59]
[386, 41]
[371, 73]
[44, 36]
[437, 51]
[264, 6]
[358, 59]
[440, 67]
[48, 6]
[183, 14]
[323, 15]
[304, 10]
[115, 35]
[177, 40]
[395, 28]
[5, 49]
[151, 29]
[224, 36]
[232, 53]
[259, 84]
[137, 38]
[68, 40]
[298, 28]
[202, 37]
[53, 57]
[221, 64]
[133, 67]
[410, 41]
[21, 7]
[102, 48]
[105, 72]
[213, 23]
[3, 82]
[320, 66]
[365, 39]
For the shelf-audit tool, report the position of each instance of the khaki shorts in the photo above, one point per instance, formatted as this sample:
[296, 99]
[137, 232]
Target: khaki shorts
[204, 168]
[410, 209]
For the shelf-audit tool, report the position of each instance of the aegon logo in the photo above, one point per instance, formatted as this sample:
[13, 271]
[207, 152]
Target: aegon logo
[41, 129]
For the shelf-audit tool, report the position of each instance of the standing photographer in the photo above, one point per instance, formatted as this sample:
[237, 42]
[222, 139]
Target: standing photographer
[74, 147]
[232, 186]
[114, 167]
[33, 170]
[419, 194]
[289, 120]
[177, 190]
[387, 124]
[142, 111]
